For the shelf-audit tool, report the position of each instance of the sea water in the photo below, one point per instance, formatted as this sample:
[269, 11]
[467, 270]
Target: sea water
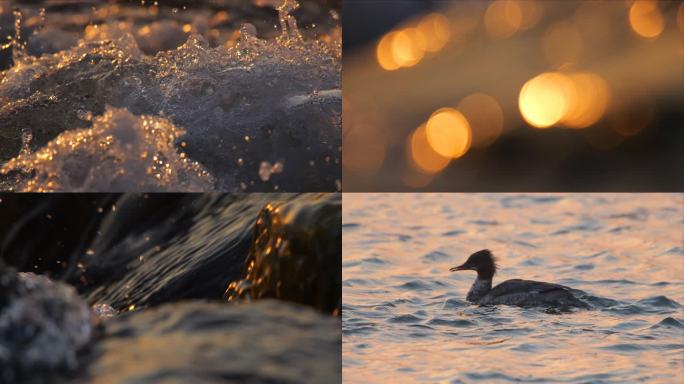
[405, 318]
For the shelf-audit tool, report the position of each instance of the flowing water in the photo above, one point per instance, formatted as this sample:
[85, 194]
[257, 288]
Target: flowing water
[130, 97]
[405, 318]
[130, 288]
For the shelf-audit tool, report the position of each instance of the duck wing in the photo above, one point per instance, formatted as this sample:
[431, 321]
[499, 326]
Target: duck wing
[532, 293]
[526, 286]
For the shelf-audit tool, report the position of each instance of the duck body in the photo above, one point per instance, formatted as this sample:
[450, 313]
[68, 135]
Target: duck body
[518, 292]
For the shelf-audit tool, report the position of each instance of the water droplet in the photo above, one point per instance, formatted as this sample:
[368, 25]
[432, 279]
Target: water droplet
[266, 170]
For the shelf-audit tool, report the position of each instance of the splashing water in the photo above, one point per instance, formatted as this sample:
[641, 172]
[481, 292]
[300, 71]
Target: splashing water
[288, 24]
[15, 42]
[120, 152]
[283, 94]
[295, 255]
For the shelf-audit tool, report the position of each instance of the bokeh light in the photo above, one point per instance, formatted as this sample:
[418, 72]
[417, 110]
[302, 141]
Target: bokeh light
[503, 18]
[435, 29]
[384, 53]
[485, 116]
[573, 69]
[587, 100]
[575, 100]
[406, 47]
[448, 133]
[543, 99]
[421, 154]
[646, 19]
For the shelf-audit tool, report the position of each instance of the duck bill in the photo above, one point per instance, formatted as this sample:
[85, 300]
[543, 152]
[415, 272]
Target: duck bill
[462, 267]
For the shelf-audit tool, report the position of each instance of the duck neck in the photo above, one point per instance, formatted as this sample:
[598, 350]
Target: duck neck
[479, 289]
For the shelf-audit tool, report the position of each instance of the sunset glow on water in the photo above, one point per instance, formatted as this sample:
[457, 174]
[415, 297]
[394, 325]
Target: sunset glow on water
[405, 318]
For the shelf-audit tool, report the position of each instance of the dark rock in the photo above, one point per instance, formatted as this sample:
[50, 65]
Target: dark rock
[43, 327]
[264, 342]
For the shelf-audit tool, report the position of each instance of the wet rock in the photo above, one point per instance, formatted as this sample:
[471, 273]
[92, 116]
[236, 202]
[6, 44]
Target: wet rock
[43, 327]
[295, 255]
[264, 342]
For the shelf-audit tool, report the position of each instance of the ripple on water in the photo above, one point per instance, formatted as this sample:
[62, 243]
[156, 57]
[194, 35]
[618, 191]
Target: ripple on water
[361, 282]
[660, 302]
[415, 285]
[351, 225]
[457, 323]
[524, 201]
[454, 304]
[669, 322]
[484, 222]
[676, 251]
[374, 260]
[526, 347]
[436, 256]
[408, 318]
[624, 347]
[489, 377]
[584, 267]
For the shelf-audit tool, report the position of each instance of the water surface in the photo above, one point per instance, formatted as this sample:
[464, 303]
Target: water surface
[405, 318]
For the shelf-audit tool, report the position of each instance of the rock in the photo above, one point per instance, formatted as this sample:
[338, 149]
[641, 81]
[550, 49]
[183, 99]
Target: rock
[202, 342]
[43, 327]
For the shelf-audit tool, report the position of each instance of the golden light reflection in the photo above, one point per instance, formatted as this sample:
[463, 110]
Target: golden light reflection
[448, 133]
[680, 18]
[421, 154]
[384, 53]
[406, 49]
[542, 100]
[485, 117]
[575, 100]
[503, 18]
[435, 28]
[562, 44]
[587, 102]
[646, 19]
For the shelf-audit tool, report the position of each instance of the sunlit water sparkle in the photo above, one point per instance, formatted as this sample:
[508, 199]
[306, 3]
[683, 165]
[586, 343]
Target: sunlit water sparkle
[405, 318]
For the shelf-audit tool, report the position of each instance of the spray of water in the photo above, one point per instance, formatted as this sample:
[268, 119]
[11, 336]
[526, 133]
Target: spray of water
[288, 24]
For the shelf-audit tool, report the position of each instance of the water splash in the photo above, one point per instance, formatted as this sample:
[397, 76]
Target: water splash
[26, 137]
[295, 255]
[267, 169]
[16, 42]
[283, 94]
[121, 152]
[288, 24]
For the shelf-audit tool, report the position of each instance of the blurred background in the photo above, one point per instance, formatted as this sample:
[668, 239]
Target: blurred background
[513, 95]
[49, 26]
